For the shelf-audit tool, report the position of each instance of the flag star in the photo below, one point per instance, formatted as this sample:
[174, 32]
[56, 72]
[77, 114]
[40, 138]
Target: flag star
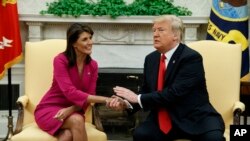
[5, 43]
[1, 45]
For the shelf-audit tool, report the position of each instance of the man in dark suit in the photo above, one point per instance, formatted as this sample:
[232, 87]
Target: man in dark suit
[180, 93]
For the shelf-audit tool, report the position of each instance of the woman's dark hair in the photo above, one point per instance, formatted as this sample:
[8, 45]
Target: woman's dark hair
[73, 34]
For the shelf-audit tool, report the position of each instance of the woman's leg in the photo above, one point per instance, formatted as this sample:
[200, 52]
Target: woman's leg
[65, 135]
[75, 123]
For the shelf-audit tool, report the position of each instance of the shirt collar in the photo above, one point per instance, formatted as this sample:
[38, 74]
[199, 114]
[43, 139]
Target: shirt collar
[171, 52]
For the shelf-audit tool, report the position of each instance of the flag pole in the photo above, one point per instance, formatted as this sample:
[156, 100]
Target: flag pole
[10, 117]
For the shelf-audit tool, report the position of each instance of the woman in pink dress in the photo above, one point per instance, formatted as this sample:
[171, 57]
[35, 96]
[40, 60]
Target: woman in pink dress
[61, 110]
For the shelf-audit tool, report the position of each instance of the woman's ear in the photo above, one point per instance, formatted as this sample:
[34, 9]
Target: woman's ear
[73, 45]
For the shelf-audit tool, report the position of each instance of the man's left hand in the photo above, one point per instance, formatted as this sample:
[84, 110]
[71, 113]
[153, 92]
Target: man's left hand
[126, 93]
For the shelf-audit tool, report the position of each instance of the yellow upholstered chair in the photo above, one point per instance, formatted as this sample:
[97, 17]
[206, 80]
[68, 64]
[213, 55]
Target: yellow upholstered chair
[222, 63]
[38, 78]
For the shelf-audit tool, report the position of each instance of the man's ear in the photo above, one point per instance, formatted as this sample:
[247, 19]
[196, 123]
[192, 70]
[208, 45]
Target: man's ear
[175, 36]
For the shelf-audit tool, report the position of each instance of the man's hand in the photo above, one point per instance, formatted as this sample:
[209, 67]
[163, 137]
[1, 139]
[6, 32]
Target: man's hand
[126, 93]
[116, 103]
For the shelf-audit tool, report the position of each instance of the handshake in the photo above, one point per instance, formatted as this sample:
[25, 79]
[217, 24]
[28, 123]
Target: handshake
[122, 99]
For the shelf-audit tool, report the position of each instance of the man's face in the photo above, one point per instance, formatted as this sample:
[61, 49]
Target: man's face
[164, 37]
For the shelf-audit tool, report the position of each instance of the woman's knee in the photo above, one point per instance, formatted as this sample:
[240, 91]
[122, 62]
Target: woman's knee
[75, 120]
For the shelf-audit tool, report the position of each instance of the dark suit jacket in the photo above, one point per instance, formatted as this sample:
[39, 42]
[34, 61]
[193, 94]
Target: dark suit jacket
[184, 95]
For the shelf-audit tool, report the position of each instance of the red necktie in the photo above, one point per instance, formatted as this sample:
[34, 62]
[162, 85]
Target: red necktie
[163, 116]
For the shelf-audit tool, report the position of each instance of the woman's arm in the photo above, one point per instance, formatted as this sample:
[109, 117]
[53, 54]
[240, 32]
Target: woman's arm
[65, 112]
[75, 108]
[98, 99]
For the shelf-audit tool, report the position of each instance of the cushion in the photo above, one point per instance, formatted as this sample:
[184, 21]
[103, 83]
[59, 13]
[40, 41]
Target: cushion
[32, 132]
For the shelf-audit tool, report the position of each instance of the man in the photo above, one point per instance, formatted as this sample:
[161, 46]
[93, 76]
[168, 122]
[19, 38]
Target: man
[174, 91]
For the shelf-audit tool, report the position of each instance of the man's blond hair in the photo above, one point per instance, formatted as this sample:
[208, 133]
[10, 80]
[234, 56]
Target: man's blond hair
[176, 24]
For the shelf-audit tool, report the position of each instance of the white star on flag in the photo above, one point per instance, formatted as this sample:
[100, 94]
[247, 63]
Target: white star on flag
[5, 43]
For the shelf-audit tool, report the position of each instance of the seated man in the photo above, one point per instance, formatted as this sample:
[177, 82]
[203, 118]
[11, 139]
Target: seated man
[174, 91]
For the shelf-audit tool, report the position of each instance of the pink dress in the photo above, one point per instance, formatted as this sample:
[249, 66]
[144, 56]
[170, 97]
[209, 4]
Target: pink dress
[67, 89]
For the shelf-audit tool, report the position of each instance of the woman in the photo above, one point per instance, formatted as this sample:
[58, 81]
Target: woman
[61, 110]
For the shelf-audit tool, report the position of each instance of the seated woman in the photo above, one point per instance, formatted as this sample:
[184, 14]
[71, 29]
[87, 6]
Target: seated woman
[61, 111]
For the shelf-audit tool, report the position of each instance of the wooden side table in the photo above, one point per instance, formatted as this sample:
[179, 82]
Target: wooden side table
[245, 98]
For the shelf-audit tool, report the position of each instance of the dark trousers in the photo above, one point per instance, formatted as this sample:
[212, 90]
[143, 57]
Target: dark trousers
[149, 131]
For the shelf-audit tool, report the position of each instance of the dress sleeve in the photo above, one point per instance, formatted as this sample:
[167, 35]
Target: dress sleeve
[93, 81]
[61, 75]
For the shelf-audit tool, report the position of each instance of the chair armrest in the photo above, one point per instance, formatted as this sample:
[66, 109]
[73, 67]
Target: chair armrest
[21, 103]
[96, 117]
[238, 109]
[23, 100]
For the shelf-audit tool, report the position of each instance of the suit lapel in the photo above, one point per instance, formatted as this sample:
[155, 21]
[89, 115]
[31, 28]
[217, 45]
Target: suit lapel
[154, 67]
[155, 70]
[173, 61]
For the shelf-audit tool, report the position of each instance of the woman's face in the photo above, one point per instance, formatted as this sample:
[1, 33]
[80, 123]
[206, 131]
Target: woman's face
[84, 43]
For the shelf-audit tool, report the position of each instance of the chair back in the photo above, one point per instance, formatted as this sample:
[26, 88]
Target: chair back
[222, 63]
[39, 71]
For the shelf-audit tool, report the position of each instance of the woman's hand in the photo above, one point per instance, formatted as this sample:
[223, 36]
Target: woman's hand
[64, 113]
[116, 103]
